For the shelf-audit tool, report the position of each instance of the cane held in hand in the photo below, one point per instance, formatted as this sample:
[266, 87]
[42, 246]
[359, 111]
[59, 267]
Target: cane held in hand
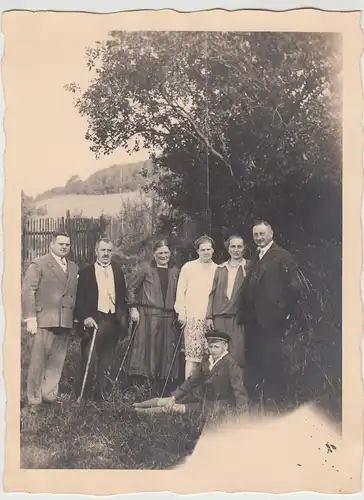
[176, 350]
[134, 329]
[88, 364]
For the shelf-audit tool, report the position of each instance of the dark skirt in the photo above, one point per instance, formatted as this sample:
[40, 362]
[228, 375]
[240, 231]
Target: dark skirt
[154, 345]
[229, 324]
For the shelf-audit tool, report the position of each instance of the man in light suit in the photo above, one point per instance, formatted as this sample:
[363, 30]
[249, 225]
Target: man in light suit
[48, 299]
[101, 303]
[269, 298]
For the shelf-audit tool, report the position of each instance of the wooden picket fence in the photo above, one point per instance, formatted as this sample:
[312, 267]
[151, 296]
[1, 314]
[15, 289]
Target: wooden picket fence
[37, 234]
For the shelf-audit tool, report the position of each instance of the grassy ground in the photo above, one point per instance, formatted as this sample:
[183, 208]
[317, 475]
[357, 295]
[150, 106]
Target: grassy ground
[106, 434]
[109, 435]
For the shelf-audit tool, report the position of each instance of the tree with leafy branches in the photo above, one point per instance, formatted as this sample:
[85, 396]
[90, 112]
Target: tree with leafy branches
[239, 125]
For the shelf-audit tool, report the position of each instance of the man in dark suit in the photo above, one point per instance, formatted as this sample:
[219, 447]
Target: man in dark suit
[269, 297]
[102, 304]
[48, 300]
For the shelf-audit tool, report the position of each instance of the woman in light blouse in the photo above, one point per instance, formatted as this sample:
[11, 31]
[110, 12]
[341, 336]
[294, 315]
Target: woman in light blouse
[194, 286]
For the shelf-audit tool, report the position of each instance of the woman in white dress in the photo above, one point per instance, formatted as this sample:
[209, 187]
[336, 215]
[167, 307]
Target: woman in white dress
[193, 289]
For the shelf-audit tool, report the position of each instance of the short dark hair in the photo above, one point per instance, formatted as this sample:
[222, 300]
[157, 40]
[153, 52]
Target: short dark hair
[263, 222]
[232, 237]
[59, 232]
[204, 239]
[103, 239]
[160, 243]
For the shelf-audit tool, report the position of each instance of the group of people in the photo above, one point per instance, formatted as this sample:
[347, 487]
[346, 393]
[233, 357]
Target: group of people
[228, 320]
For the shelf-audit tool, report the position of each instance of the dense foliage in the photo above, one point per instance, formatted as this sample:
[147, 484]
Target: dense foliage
[261, 110]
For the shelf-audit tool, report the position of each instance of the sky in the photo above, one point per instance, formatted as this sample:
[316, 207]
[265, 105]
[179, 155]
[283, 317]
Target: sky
[45, 53]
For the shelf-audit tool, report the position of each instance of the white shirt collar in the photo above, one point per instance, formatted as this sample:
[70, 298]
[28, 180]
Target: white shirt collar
[212, 363]
[61, 262]
[264, 250]
[226, 264]
[100, 264]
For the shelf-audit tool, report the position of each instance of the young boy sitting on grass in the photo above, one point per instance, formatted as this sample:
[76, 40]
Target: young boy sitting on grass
[217, 388]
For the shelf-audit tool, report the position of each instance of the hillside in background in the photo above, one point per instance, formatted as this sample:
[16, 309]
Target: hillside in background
[107, 191]
[82, 205]
[110, 180]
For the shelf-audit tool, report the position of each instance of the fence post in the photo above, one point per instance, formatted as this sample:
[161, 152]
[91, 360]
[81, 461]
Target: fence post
[68, 230]
[23, 245]
[68, 222]
[102, 225]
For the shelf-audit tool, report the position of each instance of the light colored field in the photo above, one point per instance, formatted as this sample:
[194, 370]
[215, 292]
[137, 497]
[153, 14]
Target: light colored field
[89, 205]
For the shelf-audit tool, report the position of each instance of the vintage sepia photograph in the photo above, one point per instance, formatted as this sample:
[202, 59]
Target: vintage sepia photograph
[181, 237]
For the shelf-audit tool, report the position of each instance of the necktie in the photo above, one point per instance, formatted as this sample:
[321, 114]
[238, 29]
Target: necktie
[106, 273]
[63, 264]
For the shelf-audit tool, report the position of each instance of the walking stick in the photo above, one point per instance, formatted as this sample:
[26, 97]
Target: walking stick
[126, 352]
[172, 363]
[88, 364]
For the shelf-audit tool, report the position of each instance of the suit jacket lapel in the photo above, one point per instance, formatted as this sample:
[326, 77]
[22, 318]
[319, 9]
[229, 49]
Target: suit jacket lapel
[265, 259]
[269, 252]
[93, 286]
[239, 278]
[225, 272]
[71, 272]
[261, 270]
[57, 271]
[116, 272]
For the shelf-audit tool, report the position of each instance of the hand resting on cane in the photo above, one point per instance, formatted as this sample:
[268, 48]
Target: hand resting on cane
[90, 323]
[134, 315]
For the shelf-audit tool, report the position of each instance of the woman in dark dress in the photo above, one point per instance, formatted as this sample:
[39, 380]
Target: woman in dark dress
[152, 294]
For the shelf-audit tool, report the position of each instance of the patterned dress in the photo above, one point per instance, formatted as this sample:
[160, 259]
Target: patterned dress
[194, 286]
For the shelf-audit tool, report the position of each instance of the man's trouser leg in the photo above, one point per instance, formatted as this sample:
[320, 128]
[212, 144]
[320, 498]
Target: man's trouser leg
[106, 341]
[36, 365]
[54, 364]
[47, 356]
